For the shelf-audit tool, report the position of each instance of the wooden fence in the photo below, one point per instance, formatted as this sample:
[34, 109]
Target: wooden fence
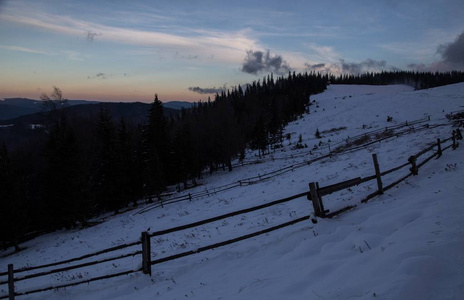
[314, 194]
[350, 144]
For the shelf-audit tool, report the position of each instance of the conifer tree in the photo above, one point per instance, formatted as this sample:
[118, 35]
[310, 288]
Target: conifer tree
[155, 152]
[13, 213]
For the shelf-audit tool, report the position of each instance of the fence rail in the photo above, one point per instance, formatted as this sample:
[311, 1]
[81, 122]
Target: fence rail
[344, 146]
[314, 194]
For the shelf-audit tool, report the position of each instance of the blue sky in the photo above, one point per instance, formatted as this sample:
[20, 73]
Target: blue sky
[182, 50]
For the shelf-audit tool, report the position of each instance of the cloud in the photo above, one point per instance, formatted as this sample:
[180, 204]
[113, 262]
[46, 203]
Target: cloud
[358, 68]
[212, 90]
[324, 53]
[316, 67]
[452, 57]
[224, 46]
[344, 67]
[91, 35]
[71, 55]
[23, 49]
[99, 76]
[417, 67]
[453, 53]
[258, 61]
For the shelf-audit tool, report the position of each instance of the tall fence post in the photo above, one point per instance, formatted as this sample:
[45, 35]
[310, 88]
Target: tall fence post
[413, 169]
[146, 253]
[316, 199]
[454, 140]
[439, 152]
[11, 291]
[377, 174]
[458, 134]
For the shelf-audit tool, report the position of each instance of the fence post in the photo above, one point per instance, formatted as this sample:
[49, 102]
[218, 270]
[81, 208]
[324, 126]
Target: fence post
[377, 174]
[146, 253]
[413, 169]
[316, 199]
[454, 140]
[11, 292]
[439, 152]
[321, 205]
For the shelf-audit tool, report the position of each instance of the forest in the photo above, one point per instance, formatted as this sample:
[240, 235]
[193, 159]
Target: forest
[74, 167]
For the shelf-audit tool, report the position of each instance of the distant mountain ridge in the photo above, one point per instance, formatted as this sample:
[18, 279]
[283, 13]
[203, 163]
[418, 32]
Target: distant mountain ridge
[20, 129]
[178, 104]
[11, 108]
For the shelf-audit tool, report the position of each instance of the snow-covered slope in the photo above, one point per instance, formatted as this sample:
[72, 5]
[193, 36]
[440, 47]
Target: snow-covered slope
[405, 244]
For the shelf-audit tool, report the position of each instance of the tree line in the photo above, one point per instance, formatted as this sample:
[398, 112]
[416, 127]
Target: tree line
[78, 166]
[418, 80]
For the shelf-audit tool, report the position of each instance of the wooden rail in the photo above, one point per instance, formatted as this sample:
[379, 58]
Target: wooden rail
[317, 193]
[314, 194]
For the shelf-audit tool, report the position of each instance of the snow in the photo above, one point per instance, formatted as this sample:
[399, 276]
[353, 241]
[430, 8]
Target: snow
[405, 244]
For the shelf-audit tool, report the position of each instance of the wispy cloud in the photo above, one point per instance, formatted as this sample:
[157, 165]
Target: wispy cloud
[100, 75]
[72, 55]
[212, 90]
[344, 67]
[69, 54]
[314, 67]
[323, 53]
[409, 50]
[223, 46]
[364, 66]
[23, 49]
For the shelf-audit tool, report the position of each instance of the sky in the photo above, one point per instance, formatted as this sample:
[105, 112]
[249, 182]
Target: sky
[189, 50]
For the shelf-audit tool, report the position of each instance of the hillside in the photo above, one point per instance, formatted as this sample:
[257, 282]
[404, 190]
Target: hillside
[17, 131]
[405, 244]
[12, 108]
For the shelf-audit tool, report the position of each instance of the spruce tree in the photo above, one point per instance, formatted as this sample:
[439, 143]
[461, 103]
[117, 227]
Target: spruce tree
[155, 154]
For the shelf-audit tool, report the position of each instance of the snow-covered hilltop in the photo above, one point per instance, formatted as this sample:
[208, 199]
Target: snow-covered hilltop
[405, 244]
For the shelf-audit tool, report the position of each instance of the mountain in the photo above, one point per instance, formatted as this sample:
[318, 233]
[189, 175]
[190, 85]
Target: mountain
[404, 244]
[15, 131]
[178, 104]
[11, 108]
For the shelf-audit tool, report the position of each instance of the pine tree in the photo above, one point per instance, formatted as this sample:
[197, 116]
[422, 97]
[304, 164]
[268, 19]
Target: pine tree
[13, 215]
[126, 180]
[107, 163]
[64, 181]
[155, 152]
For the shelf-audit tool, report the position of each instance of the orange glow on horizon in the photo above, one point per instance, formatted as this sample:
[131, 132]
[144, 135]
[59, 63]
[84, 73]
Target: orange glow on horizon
[111, 95]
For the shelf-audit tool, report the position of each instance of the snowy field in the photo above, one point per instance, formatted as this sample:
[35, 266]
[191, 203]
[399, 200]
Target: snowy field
[405, 244]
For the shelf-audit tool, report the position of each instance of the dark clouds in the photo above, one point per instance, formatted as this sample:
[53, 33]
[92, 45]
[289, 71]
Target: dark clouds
[358, 68]
[452, 57]
[98, 76]
[212, 90]
[345, 67]
[258, 61]
[453, 53]
[418, 67]
[91, 35]
[316, 67]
